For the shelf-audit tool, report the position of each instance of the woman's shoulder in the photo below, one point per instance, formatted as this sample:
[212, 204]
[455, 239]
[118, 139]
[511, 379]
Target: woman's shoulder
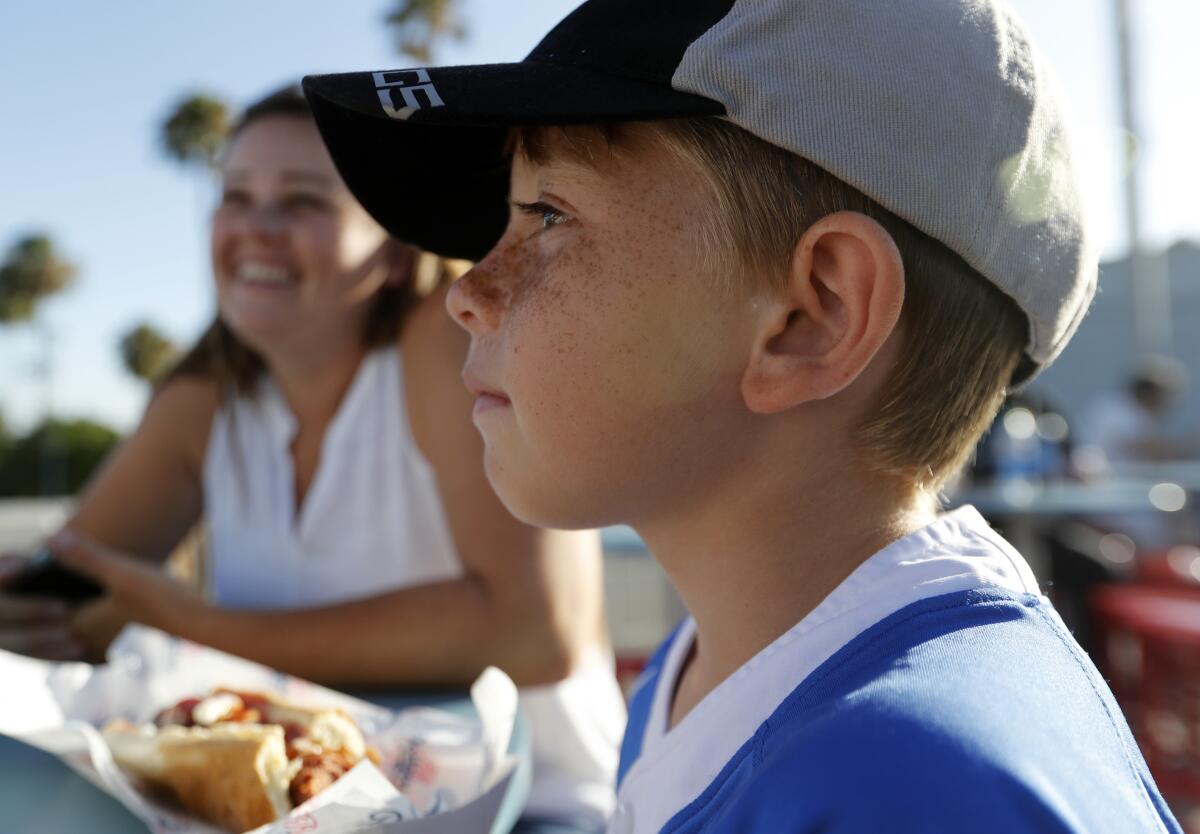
[439, 406]
[187, 396]
[433, 345]
[181, 413]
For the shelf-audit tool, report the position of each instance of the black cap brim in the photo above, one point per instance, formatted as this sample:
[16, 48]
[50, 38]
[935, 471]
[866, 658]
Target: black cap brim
[439, 177]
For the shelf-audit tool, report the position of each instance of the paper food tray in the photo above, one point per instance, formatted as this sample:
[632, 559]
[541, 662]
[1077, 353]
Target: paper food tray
[439, 771]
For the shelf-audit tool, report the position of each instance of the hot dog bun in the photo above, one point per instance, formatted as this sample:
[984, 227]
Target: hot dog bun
[235, 775]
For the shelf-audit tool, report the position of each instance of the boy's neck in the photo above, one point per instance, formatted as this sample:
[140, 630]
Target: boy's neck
[763, 554]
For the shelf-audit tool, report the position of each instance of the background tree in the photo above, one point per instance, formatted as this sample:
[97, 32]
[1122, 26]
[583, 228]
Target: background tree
[195, 130]
[6, 438]
[146, 353]
[418, 26]
[31, 271]
[78, 446]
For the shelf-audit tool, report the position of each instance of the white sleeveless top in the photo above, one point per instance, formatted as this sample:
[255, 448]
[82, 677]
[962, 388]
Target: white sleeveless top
[372, 522]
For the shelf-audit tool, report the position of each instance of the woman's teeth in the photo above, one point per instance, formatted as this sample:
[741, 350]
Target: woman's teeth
[256, 273]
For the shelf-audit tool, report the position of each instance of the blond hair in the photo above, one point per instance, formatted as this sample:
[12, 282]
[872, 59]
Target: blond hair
[962, 337]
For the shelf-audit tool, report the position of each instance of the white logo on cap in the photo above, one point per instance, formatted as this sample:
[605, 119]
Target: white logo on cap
[412, 104]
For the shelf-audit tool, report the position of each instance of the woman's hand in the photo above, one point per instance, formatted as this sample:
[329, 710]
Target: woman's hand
[138, 592]
[35, 626]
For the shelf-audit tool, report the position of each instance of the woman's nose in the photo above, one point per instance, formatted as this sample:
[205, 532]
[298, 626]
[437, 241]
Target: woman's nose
[266, 220]
[475, 301]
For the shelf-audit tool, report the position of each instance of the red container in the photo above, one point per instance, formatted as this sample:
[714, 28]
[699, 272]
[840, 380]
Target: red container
[1148, 647]
[629, 666]
[1178, 567]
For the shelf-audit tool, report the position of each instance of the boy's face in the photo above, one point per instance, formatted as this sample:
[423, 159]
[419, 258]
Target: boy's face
[620, 359]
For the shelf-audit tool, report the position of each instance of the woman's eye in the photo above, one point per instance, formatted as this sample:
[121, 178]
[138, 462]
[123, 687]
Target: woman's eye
[232, 197]
[303, 201]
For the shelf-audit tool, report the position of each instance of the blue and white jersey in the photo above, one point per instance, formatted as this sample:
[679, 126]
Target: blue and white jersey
[935, 690]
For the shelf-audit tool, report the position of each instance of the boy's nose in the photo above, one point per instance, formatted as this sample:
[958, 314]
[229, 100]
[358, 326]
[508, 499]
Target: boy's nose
[474, 302]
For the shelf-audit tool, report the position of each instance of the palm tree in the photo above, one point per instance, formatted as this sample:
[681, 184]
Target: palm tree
[195, 130]
[419, 25]
[31, 271]
[146, 353]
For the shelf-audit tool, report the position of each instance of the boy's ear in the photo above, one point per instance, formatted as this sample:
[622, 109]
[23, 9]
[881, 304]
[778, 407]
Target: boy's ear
[843, 298]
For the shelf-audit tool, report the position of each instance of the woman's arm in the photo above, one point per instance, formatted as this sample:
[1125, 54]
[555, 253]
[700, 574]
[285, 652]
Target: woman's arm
[144, 499]
[434, 635]
[530, 600]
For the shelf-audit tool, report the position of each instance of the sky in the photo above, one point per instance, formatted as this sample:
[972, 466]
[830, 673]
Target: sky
[87, 86]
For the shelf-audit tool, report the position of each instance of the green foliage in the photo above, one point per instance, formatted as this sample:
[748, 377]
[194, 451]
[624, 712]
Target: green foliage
[31, 271]
[418, 26]
[6, 438]
[195, 130]
[55, 458]
[146, 353]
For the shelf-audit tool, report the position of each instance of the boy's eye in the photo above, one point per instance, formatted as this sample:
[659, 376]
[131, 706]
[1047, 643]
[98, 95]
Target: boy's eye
[548, 214]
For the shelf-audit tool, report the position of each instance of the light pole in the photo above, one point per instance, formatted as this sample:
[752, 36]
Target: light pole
[52, 478]
[1150, 282]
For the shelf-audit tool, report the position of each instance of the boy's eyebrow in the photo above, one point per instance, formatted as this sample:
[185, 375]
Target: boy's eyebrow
[551, 170]
[566, 163]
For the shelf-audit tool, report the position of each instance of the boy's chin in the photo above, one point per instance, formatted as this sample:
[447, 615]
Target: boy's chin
[552, 512]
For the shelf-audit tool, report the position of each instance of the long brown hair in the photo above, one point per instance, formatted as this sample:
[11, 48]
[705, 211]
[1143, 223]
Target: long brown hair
[219, 355]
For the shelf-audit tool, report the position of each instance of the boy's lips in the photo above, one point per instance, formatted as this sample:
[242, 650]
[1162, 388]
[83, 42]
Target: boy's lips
[486, 396]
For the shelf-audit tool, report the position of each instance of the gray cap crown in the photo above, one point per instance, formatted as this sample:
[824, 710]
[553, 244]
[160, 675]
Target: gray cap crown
[941, 111]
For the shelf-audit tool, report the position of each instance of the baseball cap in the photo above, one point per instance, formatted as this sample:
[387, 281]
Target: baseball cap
[941, 111]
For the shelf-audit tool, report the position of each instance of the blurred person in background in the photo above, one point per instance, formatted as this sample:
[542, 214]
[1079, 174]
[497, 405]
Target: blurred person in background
[1130, 425]
[321, 429]
[1127, 433]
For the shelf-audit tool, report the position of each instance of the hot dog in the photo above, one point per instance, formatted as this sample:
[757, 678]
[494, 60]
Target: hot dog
[239, 759]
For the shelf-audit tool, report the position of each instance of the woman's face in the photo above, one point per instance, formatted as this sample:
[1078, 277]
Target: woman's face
[295, 258]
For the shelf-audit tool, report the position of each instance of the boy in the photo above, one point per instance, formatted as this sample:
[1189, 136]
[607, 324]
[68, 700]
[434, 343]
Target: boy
[768, 270]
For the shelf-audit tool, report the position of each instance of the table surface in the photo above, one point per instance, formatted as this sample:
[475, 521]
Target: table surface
[41, 795]
[1186, 473]
[1067, 497]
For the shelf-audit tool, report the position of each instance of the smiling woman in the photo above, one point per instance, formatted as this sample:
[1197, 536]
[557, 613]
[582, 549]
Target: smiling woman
[277, 178]
[321, 429]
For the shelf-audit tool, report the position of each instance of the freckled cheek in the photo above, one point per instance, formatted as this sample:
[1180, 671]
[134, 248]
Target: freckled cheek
[576, 403]
[548, 358]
